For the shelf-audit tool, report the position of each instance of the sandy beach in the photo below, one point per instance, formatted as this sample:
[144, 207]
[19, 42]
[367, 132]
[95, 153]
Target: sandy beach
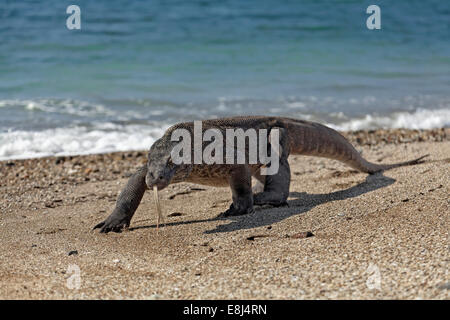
[344, 235]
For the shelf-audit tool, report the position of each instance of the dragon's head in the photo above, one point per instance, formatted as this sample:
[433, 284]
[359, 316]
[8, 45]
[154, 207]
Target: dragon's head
[161, 169]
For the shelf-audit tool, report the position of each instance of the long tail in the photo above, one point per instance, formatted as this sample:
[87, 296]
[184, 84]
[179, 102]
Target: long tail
[309, 138]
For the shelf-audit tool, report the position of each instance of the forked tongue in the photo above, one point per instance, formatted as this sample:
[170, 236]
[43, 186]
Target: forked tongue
[158, 207]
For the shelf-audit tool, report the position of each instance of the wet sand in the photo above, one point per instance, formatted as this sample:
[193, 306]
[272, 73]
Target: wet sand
[344, 235]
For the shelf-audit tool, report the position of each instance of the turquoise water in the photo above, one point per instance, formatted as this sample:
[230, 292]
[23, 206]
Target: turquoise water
[136, 67]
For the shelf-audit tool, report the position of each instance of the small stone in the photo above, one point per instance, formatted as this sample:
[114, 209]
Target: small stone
[175, 214]
[49, 204]
[60, 160]
[251, 238]
[302, 235]
[73, 252]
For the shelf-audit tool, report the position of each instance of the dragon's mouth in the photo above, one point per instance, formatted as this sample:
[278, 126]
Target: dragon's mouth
[160, 183]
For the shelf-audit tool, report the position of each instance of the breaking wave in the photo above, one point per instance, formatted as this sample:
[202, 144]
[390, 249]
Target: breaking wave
[102, 138]
[93, 128]
[419, 119]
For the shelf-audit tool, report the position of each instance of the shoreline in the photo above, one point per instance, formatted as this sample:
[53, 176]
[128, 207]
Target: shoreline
[397, 221]
[356, 137]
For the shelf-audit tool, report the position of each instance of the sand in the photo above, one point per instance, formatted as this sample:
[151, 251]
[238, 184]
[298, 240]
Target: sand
[344, 235]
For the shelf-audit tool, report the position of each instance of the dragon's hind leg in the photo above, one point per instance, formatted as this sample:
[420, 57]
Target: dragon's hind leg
[276, 187]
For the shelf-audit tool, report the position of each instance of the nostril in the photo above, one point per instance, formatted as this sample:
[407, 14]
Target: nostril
[160, 177]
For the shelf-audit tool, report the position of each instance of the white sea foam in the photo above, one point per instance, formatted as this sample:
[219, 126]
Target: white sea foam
[110, 137]
[63, 106]
[102, 138]
[419, 119]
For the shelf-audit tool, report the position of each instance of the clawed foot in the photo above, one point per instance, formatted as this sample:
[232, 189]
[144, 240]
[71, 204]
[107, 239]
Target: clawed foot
[232, 211]
[113, 223]
[269, 199]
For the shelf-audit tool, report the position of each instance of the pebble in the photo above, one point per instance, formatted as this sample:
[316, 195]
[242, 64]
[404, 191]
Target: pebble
[302, 235]
[175, 214]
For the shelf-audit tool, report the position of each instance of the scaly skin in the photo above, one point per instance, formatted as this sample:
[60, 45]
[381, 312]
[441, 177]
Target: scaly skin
[296, 137]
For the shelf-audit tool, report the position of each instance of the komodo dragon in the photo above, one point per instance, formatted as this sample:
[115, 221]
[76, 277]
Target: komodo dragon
[296, 137]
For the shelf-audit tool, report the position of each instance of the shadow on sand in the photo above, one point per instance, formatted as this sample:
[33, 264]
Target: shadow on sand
[302, 202]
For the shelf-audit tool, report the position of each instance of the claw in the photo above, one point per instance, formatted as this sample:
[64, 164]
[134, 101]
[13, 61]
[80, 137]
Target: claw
[233, 212]
[101, 224]
[111, 225]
